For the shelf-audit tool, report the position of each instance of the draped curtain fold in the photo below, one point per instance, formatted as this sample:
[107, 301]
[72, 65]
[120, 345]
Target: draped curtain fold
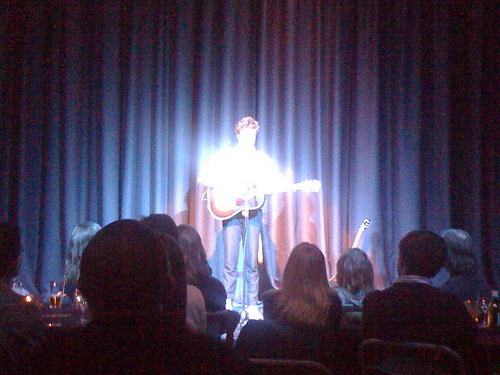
[110, 110]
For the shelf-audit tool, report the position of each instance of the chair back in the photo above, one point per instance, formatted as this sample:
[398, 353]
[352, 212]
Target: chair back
[272, 339]
[266, 366]
[408, 358]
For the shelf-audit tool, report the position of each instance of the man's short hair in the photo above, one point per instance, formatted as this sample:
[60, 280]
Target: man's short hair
[246, 123]
[125, 269]
[422, 253]
[10, 249]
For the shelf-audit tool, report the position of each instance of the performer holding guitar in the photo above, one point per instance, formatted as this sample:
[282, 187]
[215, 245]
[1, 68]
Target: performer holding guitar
[237, 180]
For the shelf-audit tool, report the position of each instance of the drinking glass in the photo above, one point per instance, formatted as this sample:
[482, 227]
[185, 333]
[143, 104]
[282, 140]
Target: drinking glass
[81, 307]
[56, 294]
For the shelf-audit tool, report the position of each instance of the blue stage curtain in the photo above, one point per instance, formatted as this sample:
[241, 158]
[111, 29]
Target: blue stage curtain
[110, 109]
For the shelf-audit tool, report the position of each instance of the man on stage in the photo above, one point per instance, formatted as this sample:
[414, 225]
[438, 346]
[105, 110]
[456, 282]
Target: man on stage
[238, 179]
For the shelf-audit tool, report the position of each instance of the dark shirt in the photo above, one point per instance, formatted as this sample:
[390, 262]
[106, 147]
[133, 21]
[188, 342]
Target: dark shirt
[467, 286]
[131, 345]
[276, 338]
[418, 312]
[21, 327]
[213, 292]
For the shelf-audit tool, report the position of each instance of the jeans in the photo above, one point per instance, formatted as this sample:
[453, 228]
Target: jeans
[233, 233]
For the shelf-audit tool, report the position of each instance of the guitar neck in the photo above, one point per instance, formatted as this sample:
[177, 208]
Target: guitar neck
[357, 238]
[364, 225]
[224, 205]
[312, 185]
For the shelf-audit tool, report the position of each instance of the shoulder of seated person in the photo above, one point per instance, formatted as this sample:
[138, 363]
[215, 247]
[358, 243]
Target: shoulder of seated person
[208, 279]
[193, 289]
[374, 294]
[198, 343]
[270, 293]
[333, 295]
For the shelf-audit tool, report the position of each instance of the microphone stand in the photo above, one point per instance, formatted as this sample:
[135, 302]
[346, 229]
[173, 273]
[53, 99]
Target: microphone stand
[246, 213]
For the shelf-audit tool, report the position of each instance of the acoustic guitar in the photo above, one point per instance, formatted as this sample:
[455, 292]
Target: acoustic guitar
[223, 204]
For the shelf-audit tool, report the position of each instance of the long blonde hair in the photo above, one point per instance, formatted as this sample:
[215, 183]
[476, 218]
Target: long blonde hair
[304, 295]
[80, 238]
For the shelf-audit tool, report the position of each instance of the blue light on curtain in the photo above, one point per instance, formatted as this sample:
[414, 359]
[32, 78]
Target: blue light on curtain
[112, 109]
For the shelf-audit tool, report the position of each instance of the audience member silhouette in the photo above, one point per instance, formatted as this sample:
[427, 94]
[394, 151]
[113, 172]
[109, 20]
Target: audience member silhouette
[304, 296]
[461, 267]
[202, 287]
[413, 310]
[125, 278]
[301, 319]
[162, 223]
[354, 282]
[20, 321]
[80, 237]
[165, 227]
[198, 271]
[192, 299]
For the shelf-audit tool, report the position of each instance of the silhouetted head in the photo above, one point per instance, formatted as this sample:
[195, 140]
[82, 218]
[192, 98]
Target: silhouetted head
[421, 253]
[162, 223]
[194, 253]
[164, 226]
[124, 271]
[10, 250]
[355, 271]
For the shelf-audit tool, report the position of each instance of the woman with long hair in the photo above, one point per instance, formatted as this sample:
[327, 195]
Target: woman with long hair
[354, 282]
[301, 319]
[81, 236]
[354, 277]
[305, 297]
[198, 271]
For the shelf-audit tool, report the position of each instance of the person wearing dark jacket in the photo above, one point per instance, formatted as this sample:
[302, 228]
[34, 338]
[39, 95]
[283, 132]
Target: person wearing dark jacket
[411, 310]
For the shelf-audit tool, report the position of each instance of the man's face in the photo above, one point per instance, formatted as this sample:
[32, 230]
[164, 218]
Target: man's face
[247, 137]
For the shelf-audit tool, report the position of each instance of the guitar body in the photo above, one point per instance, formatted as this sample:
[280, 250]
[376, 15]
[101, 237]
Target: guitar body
[223, 205]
